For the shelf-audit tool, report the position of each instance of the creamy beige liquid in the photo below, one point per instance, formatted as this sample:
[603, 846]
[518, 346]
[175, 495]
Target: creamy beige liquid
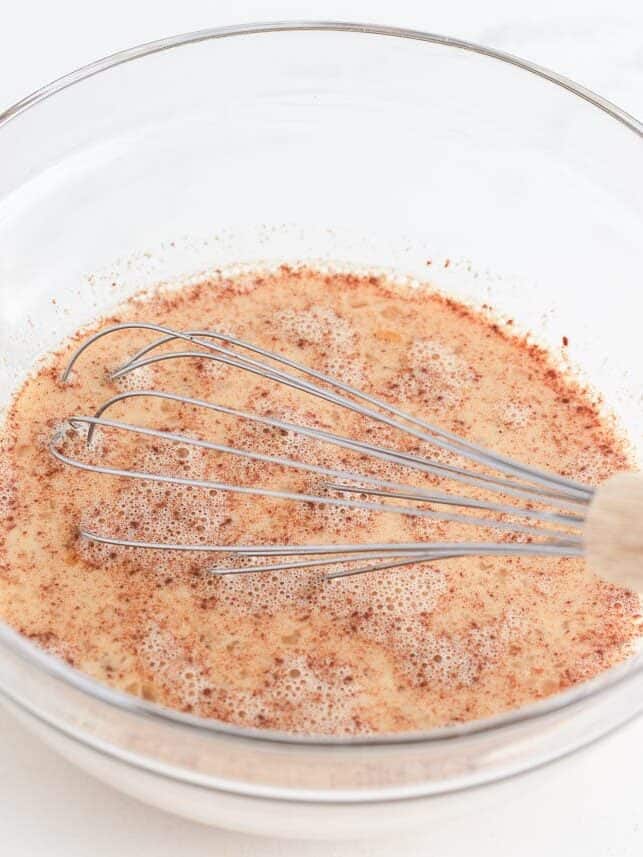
[393, 650]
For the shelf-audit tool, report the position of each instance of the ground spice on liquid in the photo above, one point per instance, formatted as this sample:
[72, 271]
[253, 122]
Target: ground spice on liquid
[394, 650]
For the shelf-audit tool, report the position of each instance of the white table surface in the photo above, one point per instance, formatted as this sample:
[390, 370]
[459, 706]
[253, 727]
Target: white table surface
[591, 804]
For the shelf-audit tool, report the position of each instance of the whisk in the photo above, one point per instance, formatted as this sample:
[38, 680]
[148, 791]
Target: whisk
[552, 515]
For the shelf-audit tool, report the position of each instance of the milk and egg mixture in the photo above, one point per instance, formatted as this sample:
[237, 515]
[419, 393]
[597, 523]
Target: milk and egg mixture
[399, 649]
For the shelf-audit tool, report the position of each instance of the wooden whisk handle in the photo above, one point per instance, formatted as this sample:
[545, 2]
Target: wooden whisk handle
[613, 534]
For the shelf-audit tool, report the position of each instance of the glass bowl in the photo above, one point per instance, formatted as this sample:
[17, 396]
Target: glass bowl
[346, 144]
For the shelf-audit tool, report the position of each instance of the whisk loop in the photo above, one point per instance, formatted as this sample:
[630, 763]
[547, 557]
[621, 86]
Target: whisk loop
[545, 509]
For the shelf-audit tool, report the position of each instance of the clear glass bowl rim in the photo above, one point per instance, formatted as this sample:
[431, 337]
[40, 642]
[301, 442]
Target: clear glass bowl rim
[58, 669]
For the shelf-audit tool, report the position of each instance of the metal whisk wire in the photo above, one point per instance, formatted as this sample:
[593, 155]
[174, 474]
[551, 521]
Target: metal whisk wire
[567, 500]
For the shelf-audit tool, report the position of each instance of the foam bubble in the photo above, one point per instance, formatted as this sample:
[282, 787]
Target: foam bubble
[346, 368]
[168, 661]
[437, 375]
[141, 378]
[313, 693]
[589, 466]
[316, 326]
[159, 512]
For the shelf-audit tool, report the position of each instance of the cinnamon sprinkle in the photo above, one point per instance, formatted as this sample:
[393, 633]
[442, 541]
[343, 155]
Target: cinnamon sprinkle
[390, 651]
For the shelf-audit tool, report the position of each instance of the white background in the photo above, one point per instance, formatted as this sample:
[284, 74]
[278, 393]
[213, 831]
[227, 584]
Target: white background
[590, 805]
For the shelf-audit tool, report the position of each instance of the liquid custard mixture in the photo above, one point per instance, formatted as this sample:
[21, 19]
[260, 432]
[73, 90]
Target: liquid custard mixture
[399, 649]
